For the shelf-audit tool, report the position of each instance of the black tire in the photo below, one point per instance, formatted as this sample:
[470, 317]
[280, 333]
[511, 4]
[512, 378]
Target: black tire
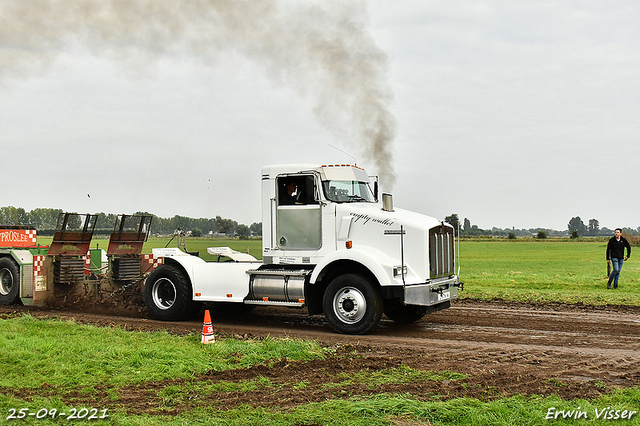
[404, 314]
[352, 304]
[9, 282]
[168, 294]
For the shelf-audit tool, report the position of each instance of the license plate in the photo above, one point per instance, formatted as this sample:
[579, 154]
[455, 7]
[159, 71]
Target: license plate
[445, 295]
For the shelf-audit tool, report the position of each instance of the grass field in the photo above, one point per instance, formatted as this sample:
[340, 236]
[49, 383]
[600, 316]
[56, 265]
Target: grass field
[51, 364]
[545, 271]
[56, 360]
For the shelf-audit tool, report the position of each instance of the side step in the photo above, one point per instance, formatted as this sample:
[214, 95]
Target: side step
[274, 303]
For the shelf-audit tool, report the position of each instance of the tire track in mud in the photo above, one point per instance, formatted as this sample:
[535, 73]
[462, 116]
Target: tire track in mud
[503, 348]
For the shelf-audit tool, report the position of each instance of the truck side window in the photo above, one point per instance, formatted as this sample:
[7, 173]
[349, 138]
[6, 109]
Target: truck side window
[287, 188]
[296, 190]
[306, 193]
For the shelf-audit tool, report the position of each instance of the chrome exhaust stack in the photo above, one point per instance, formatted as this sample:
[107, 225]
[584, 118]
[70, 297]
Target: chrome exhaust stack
[387, 202]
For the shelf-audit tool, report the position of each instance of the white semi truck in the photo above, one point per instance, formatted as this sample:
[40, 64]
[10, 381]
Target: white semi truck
[328, 245]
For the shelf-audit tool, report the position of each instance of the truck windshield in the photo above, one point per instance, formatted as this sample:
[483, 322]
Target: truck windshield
[347, 191]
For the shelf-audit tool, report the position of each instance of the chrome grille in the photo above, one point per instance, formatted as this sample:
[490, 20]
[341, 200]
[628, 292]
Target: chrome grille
[441, 251]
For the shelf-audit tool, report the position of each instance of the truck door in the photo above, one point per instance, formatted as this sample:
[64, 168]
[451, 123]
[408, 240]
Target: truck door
[298, 218]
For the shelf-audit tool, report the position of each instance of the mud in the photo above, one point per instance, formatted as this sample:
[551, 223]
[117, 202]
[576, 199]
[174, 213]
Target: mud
[502, 348]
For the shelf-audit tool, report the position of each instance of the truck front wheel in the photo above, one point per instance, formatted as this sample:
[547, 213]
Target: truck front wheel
[167, 294]
[9, 282]
[352, 305]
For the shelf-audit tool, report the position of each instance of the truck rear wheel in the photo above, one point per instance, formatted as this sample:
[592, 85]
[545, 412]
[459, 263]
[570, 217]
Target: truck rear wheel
[352, 305]
[168, 294]
[9, 281]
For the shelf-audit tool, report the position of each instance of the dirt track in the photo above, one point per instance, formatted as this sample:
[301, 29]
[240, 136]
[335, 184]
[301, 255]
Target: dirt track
[504, 348]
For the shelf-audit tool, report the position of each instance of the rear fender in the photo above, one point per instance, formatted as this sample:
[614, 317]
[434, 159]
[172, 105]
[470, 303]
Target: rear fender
[176, 257]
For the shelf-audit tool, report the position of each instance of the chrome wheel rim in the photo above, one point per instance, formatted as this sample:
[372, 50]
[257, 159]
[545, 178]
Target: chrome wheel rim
[6, 282]
[164, 293]
[349, 305]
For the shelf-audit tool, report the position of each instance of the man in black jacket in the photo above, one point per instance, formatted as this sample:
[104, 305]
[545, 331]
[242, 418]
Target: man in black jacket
[615, 255]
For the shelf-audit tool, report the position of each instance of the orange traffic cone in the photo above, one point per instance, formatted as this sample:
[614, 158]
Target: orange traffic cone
[207, 329]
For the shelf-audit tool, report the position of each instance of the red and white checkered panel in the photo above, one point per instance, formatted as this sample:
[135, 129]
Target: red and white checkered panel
[39, 274]
[32, 235]
[150, 262]
[87, 263]
[38, 265]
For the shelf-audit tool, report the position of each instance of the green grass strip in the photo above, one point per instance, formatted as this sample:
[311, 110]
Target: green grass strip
[385, 410]
[70, 355]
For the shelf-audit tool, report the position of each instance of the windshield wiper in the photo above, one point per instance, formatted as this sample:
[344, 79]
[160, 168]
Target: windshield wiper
[356, 198]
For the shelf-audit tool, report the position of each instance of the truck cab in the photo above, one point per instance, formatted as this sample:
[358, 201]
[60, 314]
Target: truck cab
[328, 245]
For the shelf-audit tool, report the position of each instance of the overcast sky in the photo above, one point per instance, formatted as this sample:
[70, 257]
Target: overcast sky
[509, 113]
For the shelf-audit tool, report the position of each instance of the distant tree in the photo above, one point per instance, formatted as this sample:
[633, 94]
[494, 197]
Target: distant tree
[467, 225]
[576, 224]
[594, 227]
[574, 235]
[473, 230]
[23, 217]
[498, 232]
[42, 218]
[225, 226]
[256, 229]
[106, 221]
[541, 235]
[182, 222]
[9, 216]
[75, 222]
[196, 232]
[512, 235]
[453, 221]
[243, 232]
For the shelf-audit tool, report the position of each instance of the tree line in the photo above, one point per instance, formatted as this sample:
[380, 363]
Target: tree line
[45, 221]
[575, 228]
